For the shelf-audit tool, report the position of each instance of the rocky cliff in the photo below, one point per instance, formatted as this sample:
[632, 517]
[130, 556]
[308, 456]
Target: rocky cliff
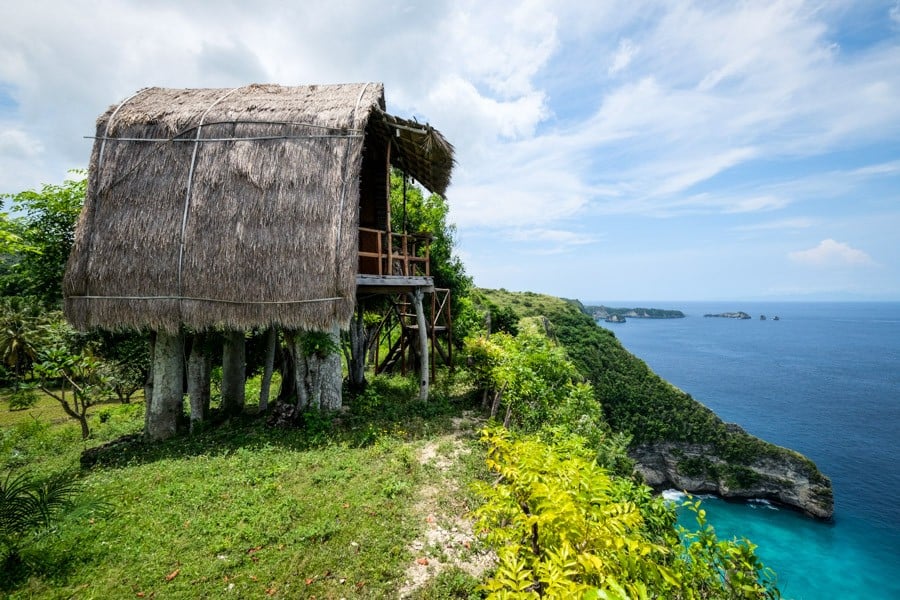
[784, 477]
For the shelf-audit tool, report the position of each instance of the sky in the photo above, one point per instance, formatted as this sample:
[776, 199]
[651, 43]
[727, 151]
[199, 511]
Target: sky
[605, 151]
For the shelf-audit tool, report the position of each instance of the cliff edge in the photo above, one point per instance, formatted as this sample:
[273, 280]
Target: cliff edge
[786, 478]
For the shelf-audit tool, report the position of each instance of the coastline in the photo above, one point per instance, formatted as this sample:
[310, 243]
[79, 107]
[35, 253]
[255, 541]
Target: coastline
[821, 382]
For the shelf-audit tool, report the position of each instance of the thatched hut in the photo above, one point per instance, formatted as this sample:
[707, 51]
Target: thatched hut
[239, 208]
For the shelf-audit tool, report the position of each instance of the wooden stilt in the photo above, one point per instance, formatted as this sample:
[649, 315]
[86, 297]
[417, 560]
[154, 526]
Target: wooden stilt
[424, 363]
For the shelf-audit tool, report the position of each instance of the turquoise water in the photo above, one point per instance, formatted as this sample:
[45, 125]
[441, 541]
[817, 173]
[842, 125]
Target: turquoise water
[823, 380]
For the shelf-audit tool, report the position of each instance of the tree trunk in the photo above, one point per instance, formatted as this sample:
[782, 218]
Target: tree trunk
[332, 379]
[85, 430]
[234, 365]
[165, 403]
[424, 370]
[271, 341]
[148, 383]
[317, 375]
[356, 365]
[198, 384]
[288, 391]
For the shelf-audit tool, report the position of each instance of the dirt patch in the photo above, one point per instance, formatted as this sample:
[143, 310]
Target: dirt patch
[448, 539]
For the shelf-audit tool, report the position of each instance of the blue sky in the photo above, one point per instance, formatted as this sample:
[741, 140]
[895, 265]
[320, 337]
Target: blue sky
[606, 150]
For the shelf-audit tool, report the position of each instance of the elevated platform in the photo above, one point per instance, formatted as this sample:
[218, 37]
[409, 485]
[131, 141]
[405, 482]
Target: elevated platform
[393, 284]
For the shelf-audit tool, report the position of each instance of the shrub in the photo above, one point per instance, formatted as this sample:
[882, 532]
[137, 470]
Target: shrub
[562, 528]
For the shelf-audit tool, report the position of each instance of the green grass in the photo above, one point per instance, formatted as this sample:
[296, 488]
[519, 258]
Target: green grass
[249, 519]
[240, 508]
[46, 409]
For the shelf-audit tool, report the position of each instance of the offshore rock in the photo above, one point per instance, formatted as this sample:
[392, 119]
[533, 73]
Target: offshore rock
[782, 476]
[730, 315]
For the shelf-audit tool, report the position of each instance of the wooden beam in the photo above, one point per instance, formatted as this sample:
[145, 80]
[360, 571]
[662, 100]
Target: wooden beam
[424, 364]
[392, 284]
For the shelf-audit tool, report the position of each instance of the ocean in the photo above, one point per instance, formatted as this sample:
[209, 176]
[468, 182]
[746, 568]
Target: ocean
[824, 380]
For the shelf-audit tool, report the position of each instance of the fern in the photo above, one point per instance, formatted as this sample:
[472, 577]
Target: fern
[32, 508]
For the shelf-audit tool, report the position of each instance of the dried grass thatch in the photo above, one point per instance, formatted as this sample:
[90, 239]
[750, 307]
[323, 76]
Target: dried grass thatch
[234, 208]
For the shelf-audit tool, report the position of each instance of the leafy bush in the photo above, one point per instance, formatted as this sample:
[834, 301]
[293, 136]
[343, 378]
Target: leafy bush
[562, 528]
[526, 374]
[697, 466]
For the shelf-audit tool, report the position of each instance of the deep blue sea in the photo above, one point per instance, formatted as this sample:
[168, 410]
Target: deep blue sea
[823, 380]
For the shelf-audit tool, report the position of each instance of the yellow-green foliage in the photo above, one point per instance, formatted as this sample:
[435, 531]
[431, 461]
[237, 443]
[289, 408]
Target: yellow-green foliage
[562, 528]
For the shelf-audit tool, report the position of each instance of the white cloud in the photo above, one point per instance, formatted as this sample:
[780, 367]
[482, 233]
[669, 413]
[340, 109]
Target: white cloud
[879, 169]
[624, 53]
[17, 144]
[477, 117]
[757, 204]
[550, 241]
[830, 253]
[793, 223]
[512, 205]
[499, 45]
[894, 14]
[692, 172]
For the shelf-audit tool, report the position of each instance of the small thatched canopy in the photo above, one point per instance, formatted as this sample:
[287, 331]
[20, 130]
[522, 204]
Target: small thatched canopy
[236, 208]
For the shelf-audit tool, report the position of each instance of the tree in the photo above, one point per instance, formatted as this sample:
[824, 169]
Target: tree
[413, 212]
[528, 374]
[80, 380]
[316, 361]
[123, 379]
[24, 327]
[37, 245]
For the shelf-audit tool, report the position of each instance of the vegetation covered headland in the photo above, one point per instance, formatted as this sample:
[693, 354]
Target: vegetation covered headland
[676, 441]
[730, 315]
[604, 312]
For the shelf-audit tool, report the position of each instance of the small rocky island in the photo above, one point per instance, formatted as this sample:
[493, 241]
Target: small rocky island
[730, 315]
[614, 319]
[606, 312]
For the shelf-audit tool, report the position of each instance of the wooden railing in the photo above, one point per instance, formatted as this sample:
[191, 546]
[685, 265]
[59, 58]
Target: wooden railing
[404, 254]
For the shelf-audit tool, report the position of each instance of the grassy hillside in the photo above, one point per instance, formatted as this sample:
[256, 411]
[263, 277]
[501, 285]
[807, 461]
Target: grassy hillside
[330, 510]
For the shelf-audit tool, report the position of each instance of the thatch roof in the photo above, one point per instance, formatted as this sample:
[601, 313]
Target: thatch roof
[236, 208]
